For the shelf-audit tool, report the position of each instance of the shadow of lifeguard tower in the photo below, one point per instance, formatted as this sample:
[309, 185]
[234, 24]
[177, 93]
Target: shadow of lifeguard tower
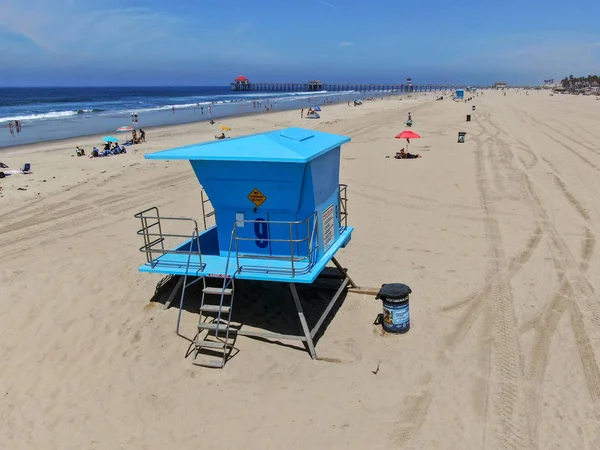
[280, 216]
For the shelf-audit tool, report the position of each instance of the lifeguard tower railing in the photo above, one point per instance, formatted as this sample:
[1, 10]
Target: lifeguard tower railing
[303, 235]
[343, 206]
[154, 239]
[297, 263]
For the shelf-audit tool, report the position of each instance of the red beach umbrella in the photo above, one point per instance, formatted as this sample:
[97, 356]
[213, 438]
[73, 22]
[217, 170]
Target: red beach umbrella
[406, 134]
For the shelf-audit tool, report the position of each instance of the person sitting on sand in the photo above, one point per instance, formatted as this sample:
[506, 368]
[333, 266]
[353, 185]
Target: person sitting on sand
[80, 151]
[403, 155]
[212, 122]
[95, 153]
[222, 136]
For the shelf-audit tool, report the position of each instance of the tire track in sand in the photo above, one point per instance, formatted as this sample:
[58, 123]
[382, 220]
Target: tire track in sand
[506, 415]
[506, 410]
[574, 292]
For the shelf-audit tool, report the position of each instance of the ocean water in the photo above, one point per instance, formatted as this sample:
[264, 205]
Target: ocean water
[57, 113]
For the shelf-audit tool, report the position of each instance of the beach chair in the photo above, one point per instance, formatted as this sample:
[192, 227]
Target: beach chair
[25, 170]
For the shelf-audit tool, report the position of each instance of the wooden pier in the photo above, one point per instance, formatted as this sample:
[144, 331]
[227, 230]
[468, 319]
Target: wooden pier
[242, 84]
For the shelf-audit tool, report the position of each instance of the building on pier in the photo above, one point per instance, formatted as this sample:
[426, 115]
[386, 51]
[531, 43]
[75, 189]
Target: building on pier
[241, 83]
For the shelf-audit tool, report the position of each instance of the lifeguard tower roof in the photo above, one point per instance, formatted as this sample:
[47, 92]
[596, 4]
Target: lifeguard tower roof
[291, 145]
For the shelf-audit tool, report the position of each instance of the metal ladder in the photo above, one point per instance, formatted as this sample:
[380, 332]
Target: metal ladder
[216, 339]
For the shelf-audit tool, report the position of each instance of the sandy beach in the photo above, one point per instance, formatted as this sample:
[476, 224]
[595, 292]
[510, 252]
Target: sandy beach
[496, 237]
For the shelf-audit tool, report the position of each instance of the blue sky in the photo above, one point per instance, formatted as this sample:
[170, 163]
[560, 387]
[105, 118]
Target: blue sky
[200, 42]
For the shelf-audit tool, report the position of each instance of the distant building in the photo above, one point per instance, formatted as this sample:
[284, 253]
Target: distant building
[500, 84]
[241, 83]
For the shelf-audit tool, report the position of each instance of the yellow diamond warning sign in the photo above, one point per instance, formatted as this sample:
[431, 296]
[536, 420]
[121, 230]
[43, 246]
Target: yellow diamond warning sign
[257, 197]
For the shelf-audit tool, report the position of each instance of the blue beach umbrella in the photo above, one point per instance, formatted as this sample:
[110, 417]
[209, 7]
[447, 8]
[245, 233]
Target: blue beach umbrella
[316, 108]
[109, 139]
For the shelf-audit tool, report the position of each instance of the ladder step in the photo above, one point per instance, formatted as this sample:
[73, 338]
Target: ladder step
[215, 363]
[210, 344]
[215, 308]
[213, 326]
[212, 213]
[217, 291]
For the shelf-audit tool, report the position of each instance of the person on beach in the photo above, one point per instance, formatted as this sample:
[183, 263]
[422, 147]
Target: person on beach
[302, 113]
[134, 136]
[403, 155]
[79, 151]
[409, 117]
[142, 135]
[222, 136]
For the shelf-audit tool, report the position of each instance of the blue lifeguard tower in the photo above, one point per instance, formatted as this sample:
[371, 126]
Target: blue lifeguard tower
[460, 94]
[280, 216]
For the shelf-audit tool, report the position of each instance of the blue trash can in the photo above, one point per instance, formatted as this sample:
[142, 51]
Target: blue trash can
[396, 312]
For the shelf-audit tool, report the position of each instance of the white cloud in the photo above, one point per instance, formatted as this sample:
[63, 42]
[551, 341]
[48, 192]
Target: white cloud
[92, 32]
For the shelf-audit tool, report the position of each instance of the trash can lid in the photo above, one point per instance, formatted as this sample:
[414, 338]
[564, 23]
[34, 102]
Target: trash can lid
[393, 290]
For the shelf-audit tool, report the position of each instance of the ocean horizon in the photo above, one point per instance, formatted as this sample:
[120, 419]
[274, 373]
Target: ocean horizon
[47, 113]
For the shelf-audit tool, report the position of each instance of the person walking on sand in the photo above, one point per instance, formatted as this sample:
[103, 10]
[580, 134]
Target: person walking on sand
[302, 113]
[409, 117]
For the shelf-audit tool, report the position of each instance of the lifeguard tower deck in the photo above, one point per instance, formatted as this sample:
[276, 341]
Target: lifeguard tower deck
[280, 216]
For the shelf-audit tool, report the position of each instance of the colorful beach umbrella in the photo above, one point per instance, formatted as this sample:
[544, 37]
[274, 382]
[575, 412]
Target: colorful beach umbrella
[125, 128]
[406, 134]
[109, 139]
[224, 128]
